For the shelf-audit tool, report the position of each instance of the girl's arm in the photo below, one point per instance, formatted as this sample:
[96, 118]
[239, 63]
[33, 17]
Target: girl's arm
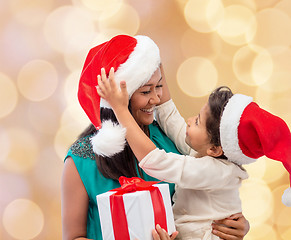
[74, 203]
[140, 144]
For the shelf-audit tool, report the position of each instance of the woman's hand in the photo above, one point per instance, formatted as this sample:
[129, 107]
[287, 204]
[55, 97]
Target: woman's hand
[234, 227]
[160, 234]
[107, 89]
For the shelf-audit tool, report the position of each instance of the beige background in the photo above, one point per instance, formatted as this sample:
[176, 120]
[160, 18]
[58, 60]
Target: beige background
[244, 44]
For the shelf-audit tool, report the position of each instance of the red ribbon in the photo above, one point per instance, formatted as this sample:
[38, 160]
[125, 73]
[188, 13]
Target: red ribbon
[129, 185]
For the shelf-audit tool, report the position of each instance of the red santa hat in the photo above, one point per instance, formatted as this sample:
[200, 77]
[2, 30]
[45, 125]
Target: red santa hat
[248, 132]
[134, 60]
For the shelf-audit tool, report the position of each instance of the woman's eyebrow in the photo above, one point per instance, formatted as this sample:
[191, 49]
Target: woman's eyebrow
[151, 83]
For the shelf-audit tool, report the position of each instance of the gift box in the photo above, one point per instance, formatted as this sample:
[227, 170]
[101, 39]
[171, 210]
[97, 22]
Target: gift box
[133, 210]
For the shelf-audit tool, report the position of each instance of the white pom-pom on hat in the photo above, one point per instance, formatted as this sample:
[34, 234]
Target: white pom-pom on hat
[109, 140]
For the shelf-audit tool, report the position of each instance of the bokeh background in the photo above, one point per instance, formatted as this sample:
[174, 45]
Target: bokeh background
[244, 44]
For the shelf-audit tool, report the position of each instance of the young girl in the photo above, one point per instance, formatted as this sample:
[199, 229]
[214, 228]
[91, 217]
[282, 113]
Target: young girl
[212, 178]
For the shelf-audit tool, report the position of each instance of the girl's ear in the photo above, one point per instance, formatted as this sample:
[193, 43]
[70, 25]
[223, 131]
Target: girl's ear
[214, 151]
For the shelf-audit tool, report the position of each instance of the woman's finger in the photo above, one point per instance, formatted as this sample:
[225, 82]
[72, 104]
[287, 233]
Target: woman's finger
[111, 78]
[174, 235]
[225, 233]
[155, 235]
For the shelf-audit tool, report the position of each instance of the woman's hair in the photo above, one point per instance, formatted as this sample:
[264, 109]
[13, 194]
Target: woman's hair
[123, 163]
[217, 101]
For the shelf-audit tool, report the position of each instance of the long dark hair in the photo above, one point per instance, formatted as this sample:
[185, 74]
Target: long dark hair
[217, 101]
[121, 164]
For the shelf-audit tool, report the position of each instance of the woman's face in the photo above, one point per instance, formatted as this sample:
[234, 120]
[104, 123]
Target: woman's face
[144, 99]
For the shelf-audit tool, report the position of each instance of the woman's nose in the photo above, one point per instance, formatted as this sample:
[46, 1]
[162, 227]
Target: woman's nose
[155, 99]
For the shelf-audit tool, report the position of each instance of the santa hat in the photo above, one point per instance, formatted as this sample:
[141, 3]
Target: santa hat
[248, 132]
[134, 60]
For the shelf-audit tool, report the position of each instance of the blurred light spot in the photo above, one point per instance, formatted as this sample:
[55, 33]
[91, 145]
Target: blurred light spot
[5, 144]
[238, 25]
[261, 4]
[257, 201]
[13, 186]
[197, 77]
[37, 80]
[286, 235]
[20, 44]
[71, 87]
[282, 218]
[8, 96]
[104, 8]
[191, 44]
[256, 169]
[273, 29]
[280, 80]
[23, 151]
[45, 117]
[284, 6]
[274, 170]
[252, 65]
[23, 219]
[204, 15]
[69, 28]
[75, 115]
[65, 137]
[250, 4]
[263, 231]
[32, 12]
[126, 20]
[48, 166]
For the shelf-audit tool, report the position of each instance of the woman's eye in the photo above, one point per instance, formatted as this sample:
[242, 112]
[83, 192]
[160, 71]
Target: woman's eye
[146, 92]
[159, 86]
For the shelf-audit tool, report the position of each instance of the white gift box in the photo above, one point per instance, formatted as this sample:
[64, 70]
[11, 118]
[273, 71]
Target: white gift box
[139, 213]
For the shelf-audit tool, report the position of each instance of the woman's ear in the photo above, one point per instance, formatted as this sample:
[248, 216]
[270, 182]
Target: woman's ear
[215, 151]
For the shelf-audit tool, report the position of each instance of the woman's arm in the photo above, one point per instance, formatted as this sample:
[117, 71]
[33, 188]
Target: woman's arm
[234, 227]
[74, 203]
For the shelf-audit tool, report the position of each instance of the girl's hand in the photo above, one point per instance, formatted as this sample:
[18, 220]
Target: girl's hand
[160, 234]
[107, 89]
[234, 227]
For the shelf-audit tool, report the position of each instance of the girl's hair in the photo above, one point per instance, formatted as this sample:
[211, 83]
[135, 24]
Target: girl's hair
[122, 164]
[217, 101]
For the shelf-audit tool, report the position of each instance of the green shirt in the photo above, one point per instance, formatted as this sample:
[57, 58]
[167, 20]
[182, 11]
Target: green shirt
[95, 183]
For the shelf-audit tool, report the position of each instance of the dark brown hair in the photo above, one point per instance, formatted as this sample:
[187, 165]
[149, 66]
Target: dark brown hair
[217, 101]
[121, 164]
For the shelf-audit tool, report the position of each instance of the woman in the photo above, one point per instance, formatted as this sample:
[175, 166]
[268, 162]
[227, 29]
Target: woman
[98, 158]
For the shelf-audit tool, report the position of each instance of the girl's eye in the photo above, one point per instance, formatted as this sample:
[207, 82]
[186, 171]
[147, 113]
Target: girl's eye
[196, 121]
[159, 86]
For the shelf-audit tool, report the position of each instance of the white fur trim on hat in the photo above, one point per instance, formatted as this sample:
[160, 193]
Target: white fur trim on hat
[139, 67]
[229, 128]
[109, 140]
[286, 197]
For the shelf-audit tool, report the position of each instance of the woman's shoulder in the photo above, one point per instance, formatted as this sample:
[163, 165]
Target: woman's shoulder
[82, 148]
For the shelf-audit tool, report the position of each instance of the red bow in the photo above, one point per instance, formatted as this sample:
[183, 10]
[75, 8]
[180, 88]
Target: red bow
[128, 185]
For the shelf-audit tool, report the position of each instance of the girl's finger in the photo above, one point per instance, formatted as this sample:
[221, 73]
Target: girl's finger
[104, 79]
[99, 91]
[100, 83]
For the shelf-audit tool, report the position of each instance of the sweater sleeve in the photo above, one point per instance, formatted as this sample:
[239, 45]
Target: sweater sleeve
[204, 173]
[173, 124]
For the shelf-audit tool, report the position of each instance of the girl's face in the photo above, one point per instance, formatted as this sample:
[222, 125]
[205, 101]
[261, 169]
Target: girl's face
[196, 132]
[144, 100]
